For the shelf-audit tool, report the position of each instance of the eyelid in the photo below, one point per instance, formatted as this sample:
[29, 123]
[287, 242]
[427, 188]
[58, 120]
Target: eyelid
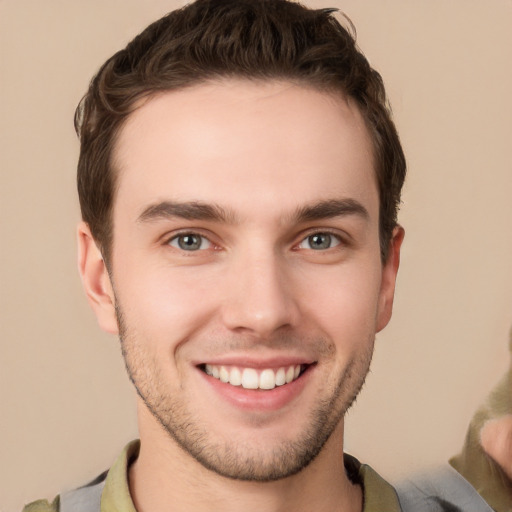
[202, 241]
[342, 238]
[169, 237]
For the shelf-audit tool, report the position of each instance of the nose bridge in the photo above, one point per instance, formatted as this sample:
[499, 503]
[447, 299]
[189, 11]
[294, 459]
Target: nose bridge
[260, 296]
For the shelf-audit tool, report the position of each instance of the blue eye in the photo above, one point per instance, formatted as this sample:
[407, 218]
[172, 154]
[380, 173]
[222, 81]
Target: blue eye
[190, 242]
[320, 242]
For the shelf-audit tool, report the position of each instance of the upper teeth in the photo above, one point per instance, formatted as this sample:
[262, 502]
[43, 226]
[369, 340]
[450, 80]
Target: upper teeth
[250, 378]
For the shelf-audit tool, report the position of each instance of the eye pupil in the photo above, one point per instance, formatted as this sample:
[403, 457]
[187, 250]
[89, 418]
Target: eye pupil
[189, 242]
[320, 241]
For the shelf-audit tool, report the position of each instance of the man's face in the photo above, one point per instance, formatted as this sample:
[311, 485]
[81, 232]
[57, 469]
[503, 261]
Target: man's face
[246, 249]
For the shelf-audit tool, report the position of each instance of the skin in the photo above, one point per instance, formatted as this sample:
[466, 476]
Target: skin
[283, 163]
[496, 440]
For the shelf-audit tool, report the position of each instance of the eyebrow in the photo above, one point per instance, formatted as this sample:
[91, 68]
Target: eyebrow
[194, 210]
[331, 208]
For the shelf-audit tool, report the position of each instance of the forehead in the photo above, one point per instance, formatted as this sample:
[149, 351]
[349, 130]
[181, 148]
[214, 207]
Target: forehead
[243, 141]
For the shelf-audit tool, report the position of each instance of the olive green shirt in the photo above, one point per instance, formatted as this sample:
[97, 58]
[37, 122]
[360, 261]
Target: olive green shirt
[378, 495]
[473, 464]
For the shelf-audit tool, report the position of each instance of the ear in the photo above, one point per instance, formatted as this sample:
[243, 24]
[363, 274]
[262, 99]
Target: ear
[389, 272]
[96, 280]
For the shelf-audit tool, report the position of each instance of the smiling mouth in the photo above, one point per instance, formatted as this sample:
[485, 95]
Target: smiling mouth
[250, 378]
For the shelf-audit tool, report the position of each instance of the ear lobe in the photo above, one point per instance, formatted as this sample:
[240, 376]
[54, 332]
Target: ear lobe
[388, 281]
[95, 280]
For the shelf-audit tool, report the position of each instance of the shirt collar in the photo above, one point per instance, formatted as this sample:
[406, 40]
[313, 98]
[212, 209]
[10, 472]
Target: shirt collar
[378, 495]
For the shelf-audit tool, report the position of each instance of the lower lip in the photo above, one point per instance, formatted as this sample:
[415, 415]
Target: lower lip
[258, 399]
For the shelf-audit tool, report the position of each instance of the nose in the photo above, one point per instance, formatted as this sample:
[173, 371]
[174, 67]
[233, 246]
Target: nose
[260, 297]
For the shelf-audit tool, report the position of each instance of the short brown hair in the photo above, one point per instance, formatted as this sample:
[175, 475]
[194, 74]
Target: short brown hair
[207, 39]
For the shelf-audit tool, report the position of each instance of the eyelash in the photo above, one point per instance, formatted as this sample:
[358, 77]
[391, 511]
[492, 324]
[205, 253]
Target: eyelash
[336, 237]
[333, 237]
[184, 234]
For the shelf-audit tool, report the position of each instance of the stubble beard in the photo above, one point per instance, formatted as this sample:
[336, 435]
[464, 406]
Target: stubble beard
[239, 461]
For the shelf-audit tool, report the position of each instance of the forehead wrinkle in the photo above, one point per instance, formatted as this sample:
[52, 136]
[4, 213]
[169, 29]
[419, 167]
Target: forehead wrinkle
[190, 210]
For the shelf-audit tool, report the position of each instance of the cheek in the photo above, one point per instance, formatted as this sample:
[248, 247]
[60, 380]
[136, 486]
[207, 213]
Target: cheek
[165, 304]
[344, 302]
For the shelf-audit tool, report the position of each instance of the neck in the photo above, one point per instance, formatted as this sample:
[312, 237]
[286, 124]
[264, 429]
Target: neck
[165, 478]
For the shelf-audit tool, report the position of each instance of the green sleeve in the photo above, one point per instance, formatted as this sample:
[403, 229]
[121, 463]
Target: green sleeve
[473, 463]
[43, 506]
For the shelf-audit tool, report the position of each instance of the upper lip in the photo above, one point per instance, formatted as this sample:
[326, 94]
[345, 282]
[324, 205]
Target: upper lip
[257, 363]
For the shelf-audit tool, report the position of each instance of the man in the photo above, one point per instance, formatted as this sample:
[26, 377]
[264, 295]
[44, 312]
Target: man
[239, 179]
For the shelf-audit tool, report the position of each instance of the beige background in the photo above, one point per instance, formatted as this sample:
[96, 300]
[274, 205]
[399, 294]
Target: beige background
[66, 407]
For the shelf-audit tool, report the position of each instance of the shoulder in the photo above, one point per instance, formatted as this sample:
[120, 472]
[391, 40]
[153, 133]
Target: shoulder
[43, 506]
[88, 498]
[440, 489]
[378, 494]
